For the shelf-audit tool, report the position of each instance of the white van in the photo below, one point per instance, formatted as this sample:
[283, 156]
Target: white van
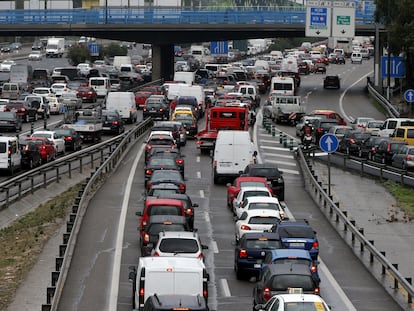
[167, 276]
[124, 102]
[356, 57]
[101, 85]
[10, 155]
[233, 151]
[187, 77]
[391, 124]
[282, 86]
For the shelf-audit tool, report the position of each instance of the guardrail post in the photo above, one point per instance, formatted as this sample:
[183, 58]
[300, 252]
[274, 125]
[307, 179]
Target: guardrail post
[284, 140]
[70, 169]
[58, 263]
[80, 165]
[280, 137]
[55, 277]
[46, 307]
[371, 256]
[353, 234]
[410, 298]
[62, 250]
[31, 184]
[102, 156]
[44, 179]
[395, 265]
[50, 292]
[291, 144]
[92, 161]
[361, 230]
[57, 174]
[273, 131]
[383, 270]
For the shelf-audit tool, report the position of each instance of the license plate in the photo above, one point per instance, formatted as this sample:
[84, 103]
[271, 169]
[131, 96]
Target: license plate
[225, 164]
[257, 265]
[3, 122]
[297, 244]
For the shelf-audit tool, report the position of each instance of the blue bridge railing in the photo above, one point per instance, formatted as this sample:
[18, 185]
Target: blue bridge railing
[138, 15]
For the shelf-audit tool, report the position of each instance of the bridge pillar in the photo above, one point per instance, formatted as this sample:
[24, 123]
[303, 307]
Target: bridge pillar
[162, 62]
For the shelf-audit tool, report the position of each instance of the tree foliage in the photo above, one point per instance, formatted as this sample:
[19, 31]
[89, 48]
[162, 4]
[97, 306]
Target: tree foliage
[397, 16]
[113, 50]
[78, 54]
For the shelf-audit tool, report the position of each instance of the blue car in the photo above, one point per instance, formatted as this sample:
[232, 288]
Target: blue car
[297, 235]
[250, 252]
[292, 256]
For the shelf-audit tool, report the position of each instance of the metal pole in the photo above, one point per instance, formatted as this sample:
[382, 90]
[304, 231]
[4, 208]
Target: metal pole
[329, 173]
[388, 54]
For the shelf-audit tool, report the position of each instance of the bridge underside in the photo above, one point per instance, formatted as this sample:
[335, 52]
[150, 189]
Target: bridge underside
[163, 34]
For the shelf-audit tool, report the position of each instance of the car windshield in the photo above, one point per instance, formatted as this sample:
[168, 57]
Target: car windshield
[264, 172]
[177, 245]
[164, 210]
[7, 116]
[252, 184]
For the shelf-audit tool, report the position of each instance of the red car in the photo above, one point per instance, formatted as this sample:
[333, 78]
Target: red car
[45, 146]
[244, 181]
[141, 97]
[87, 94]
[155, 206]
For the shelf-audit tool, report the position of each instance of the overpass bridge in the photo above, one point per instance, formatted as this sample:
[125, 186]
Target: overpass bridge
[165, 26]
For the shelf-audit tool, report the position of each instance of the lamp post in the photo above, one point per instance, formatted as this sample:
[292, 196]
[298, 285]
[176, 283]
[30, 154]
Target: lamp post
[388, 52]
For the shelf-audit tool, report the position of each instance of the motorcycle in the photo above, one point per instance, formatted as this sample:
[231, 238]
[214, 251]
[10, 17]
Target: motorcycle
[307, 141]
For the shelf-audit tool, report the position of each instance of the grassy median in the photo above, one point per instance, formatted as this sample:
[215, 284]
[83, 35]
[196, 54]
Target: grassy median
[405, 201]
[22, 242]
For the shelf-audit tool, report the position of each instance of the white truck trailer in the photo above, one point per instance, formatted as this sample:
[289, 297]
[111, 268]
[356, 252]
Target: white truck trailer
[55, 47]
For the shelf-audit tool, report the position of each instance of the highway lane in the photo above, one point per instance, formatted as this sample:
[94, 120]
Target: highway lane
[90, 283]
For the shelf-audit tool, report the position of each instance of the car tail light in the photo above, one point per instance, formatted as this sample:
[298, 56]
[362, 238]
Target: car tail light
[181, 187]
[315, 245]
[156, 254]
[68, 138]
[114, 122]
[320, 130]
[148, 147]
[161, 109]
[267, 294]
[316, 291]
[245, 227]
[352, 141]
[179, 161]
[199, 142]
[148, 172]
[408, 158]
[243, 253]
[200, 256]
[189, 211]
[146, 238]
[314, 268]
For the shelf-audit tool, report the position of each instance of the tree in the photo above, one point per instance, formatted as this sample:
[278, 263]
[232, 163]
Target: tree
[397, 16]
[78, 54]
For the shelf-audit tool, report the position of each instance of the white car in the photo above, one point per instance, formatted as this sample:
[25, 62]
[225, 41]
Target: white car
[42, 91]
[58, 142]
[6, 64]
[295, 302]
[256, 221]
[246, 192]
[84, 68]
[179, 244]
[361, 122]
[59, 88]
[374, 126]
[71, 99]
[35, 55]
[55, 106]
[256, 203]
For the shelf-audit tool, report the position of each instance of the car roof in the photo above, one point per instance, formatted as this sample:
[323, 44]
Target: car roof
[290, 252]
[179, 234]
[288, 268]
[250, 178]
[262, 200]
[252, 188]
[300, 297]
[259, 235]
[162, 201]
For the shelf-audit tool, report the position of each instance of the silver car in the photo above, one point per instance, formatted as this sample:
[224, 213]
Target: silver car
[404, 158]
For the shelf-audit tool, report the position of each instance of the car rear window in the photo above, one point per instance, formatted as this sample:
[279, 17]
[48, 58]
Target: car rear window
[255, 193]
[176, 245]
[297, 232]
[161, 142]
[263, 243]
[282, 282]
[162, 161]
[265, 172]
[257, 220]
[3, 147]
[272, 206]
[299, 261]
[251, 184]
[164, 210]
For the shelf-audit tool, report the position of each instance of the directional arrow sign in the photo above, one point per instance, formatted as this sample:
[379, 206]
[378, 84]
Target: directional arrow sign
[328, 143]
[397, 68]
[409, 95]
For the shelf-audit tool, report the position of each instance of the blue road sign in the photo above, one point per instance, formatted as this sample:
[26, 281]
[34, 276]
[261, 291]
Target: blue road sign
[409, 95]
[328, 143]
[318, 17]
[397, 67]
[219, 47]
[93, 49]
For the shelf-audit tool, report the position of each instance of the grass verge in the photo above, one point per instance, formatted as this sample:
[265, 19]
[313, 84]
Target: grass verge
[22, 242]
[404, 197]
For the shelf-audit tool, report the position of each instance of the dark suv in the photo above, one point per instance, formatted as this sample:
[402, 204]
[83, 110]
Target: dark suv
[155, 109]
[331, 82]
[272, 173]
[277, 279]
[386, 149]
[321, 127]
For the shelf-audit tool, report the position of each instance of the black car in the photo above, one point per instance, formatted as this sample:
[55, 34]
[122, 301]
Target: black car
[73, 141]
[319, 68]
[272, 173]
[10, 121]
[170, 126]
[188, 205]
[369, 147]
[190, 124]
[167, 177]
[331, 82]
[386, 149]
[250, 252]
[277, 279]
[157, 224]
[5, 49]
[173, 154]
[321, 127]
[159, 163]
[352, 142]
[175, 302]
[155, 110]
[112, 122]
[31, 157]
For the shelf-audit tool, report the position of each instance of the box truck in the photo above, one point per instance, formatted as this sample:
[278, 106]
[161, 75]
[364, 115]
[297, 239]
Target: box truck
[55, 47]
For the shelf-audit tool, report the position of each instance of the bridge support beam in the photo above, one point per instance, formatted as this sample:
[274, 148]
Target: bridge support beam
[162, 62]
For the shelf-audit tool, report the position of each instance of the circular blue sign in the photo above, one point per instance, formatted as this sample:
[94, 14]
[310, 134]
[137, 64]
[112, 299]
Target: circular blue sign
[328, 143]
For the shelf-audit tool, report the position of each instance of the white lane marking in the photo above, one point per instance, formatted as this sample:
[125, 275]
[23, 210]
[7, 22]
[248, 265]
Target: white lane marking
[275, 155]
[276, 148]
[198, 174]
[116, 268]
[336, 287]
[198, 159]
[202, 193]
[225, 286]
[341, 98]
[282, 162]
[206, 217]
[214, 247]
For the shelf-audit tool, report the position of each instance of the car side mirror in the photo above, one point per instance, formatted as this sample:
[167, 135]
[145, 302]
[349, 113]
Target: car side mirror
[195, 205]
[204, 246]
[138, 213]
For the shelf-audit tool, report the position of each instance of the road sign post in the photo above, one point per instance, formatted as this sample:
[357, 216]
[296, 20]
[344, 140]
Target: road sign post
[329, 143]
[409, 97]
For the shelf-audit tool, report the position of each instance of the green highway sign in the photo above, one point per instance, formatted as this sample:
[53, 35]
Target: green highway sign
[343, 20]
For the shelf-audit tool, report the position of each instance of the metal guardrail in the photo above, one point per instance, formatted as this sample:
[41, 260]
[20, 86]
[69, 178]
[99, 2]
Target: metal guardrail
[391, 110]
[108, 165]
[325, 202]
[165, 15]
